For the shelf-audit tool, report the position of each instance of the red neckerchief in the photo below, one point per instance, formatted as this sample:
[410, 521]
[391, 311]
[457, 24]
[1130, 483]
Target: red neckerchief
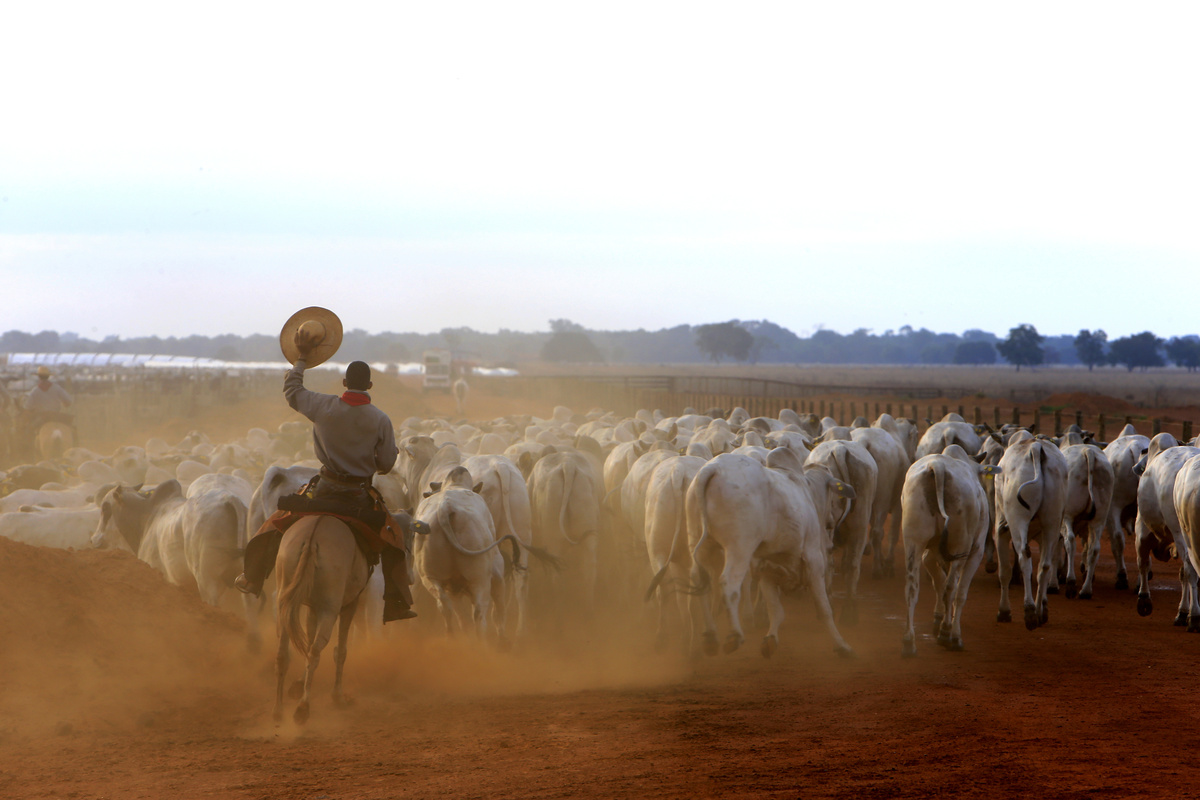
[356, 398]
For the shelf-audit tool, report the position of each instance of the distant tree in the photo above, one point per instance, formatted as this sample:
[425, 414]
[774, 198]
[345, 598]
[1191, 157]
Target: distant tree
[574, 346]
[565, 325]
[1023, 346]
[1185, 352]
[453, 337]
[1089, 346]
[228, 353]
[724, 339]
[975, 352]
[1140, 350]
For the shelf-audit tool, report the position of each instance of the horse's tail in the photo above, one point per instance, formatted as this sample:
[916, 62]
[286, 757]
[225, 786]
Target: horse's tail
[295, 586]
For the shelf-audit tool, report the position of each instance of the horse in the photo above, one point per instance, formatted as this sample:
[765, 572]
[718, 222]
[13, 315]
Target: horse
[53, 439]
[320, 566]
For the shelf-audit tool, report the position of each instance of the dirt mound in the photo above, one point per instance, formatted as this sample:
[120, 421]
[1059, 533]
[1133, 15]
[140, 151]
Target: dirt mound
[98, 638]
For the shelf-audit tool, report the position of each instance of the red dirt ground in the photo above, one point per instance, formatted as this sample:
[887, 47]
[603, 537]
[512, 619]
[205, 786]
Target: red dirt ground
[114, 684]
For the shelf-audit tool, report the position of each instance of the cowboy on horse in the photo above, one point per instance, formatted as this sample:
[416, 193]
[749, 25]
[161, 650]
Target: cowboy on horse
[353, 439]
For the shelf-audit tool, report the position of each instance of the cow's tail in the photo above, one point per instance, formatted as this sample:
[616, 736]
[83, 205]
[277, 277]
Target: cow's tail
[939, 490]
[839, 458]
[295, 586]
[1090, 461]
[569, 475]
[677, 493]
[1038, 457]
[506, 506]
[238, 514]
[700, 487]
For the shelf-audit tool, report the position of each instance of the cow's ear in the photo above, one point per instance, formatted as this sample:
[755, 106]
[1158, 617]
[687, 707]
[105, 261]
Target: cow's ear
[478, 488]
[990, 470]
[525, 462]
[844, 489]
[435, 487]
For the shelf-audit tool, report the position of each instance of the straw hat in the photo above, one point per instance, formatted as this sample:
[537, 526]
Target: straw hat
[324, 326]
[43, 371]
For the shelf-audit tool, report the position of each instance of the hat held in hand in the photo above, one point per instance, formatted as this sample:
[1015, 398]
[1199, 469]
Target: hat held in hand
[321, 325]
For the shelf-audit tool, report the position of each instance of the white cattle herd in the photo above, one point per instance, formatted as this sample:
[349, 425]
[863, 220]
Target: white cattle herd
[704, 513]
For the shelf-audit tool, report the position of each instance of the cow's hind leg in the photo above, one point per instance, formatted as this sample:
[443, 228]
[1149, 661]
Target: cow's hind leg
[1004, 549]
[770, 595]
[912, 589]
[814, 567]
[730, 586]
[1091, 556]
[1143, 542]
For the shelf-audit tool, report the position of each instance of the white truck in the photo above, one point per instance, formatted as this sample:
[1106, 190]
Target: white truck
[437, 370]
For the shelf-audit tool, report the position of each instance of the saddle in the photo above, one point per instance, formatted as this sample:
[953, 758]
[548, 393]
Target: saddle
[373, 528]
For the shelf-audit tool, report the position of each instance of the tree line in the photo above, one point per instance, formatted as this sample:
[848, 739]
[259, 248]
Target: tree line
[755, 341]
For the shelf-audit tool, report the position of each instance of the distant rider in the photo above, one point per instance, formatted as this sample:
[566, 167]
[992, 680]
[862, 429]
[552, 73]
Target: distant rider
[44, 403]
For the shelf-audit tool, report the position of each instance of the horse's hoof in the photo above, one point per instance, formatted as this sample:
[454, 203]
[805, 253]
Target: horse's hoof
[1181, 619]
[1004, 616]
[1052, 590]
[296, 690]
[909, 650]
[1122, 580]
[943, 639]
[1086, 594]
[1144, 605]
[955, 645]
[1072, 590]
[710, 644]
[301, 715]
[1032, 618]
[844, 652]
[769, 645]
[732, 642]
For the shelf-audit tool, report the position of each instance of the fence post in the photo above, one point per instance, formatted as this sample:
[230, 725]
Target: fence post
[945, 411]
[1058, 422]
[1187, 430]
[1016, 417]
[889, 409]
[996, 416]
[1157, 426]
[1037, 420]
[1079, 418]
[852, 414]
[978, 415]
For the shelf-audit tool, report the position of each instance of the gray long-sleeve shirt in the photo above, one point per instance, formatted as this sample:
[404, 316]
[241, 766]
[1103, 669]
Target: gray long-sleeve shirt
[53, 399]
[352, 439]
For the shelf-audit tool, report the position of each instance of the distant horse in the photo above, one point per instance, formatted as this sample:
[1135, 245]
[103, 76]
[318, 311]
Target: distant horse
[460, 395]
[53, 439]
[320, 566]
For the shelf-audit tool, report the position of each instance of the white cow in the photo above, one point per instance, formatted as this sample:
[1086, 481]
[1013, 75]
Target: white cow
[1186, 497]
[1030, 499]
[565, 490]
[460, 556]
[945, 526]
[51, 527]
[1123, 454]
[1089, 495]
[774, 520]
[852, 463]
[892, 461]
[667, 537]
[1157, 525]
[58, 498]
[941, 435]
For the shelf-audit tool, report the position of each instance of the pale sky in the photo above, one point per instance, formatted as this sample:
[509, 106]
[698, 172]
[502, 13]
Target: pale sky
[173, 169]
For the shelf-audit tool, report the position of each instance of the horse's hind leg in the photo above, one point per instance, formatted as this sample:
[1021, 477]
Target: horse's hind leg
[339, 652]
[322, 625]
[281, 667]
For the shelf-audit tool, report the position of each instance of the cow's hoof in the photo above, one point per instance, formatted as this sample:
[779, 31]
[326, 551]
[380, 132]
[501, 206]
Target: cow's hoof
[1052, 590]
[710, 644]
[844, 652]
[1032, 618]
[277, 715]
[1122, 580]
[990, 567]
[1004, 615]
[301, 715]
[1072, 590]
[769, 645]
[1086, 594]
[1193, 624]
[1045, 616]
[850, 613]
[296, 690]
[955, 645]
[732, 642]
[937, 624]
[943, 639]
[1145, 605]
[909, 649]
[1181, 619]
